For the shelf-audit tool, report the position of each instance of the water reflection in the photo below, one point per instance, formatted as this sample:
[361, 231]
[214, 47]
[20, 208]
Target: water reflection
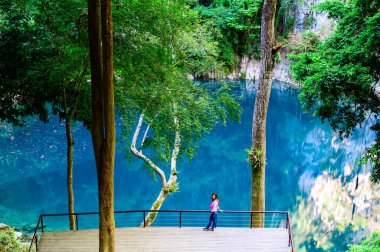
[336, 213]
[310, 172]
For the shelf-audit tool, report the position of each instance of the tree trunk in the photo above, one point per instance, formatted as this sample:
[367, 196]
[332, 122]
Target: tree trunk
[166, 186]
[103, 115]
[258, 157]
[70, 162]
[70, 191]
[171, 185]
[106, 190]
[96, 79]
[151, 216]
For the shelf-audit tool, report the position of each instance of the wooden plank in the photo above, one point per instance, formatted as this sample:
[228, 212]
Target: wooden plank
[171, 239]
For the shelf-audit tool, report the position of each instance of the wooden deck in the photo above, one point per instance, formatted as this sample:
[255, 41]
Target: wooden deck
[171, 239]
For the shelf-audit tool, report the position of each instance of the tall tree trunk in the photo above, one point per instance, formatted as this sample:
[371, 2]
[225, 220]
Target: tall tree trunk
[96, 79]
[106, 199]
[103, 115]
[258, 158]
[70, 191]
[70, 148]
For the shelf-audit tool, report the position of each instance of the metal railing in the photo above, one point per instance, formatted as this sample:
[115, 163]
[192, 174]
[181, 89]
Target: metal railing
[185, 218]
[35, 235]
[289, 227]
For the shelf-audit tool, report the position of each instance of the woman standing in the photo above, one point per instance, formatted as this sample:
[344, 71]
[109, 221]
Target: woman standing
[214, 209]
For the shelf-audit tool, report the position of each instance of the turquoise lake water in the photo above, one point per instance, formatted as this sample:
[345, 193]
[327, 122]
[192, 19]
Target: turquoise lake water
[307, 167]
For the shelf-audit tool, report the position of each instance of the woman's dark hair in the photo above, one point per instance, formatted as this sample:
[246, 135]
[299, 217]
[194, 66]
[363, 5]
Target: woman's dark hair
[216, 196]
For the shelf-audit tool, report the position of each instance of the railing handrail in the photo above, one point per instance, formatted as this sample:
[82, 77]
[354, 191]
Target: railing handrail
[165, 211]
[40, 219]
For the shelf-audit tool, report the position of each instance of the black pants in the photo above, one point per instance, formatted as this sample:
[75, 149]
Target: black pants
[212, 221]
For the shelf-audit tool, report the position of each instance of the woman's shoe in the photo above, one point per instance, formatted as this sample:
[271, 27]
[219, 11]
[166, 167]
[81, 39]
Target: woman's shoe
[211, 229]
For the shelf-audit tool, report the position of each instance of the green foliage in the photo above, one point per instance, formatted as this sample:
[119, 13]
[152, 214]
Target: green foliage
[285, 20]
[338, 75]
[239, 23]
[24, 46]
[10, 242]
[198, 110]
[243, 76]
[238, 26]
[171, 188]
[307, 42]
[338, 240]
[201, 51]
[371, 156]
[69, 66]
[254, 157]
[146, 35]
[370, 244]
[277, 58]
[156, 49]
[289, 25]
[336, 9]
[43, 59]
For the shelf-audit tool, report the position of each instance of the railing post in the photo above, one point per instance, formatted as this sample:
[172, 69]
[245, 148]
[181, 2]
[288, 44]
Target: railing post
[180, 218]
[287, 224]
[290, 244]
[42, 224]
[76, 221]
[35, 237]
[251, 220]
[144, 217]
[36, 243]
[287, 221]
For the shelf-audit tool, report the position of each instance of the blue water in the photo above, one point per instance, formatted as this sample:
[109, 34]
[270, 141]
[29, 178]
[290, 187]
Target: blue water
[301, 152]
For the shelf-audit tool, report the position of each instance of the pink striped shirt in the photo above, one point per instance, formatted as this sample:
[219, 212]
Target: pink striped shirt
[214, 206]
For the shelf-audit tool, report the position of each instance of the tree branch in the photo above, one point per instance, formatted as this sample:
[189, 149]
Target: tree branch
[146, 132]
[144, 137]
[177, 146]
[142, 156]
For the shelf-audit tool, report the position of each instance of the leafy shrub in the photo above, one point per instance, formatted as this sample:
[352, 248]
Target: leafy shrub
[370, 244]
[9, 242]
